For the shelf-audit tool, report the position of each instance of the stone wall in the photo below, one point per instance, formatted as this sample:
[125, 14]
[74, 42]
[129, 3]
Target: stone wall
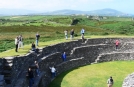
[91, 52]
[64, 66]
[1, 65]
[78, 54]
[20, 64]
[129, 81]
[67, 47]
[48, 56]
[115, 56]
[108, 40]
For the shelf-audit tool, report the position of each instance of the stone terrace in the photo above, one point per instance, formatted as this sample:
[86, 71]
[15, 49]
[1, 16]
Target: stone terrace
[14, 69]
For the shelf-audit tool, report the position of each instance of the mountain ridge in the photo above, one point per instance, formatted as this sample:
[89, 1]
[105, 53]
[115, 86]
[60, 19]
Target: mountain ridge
[101, 12]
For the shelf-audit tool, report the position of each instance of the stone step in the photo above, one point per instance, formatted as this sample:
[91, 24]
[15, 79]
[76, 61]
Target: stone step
[8, 80]
[37, 79]
[9, 58]
[8, 85]
[9, 61]
[94, 62]
[8, 64]
[6, 73]
[7, 68]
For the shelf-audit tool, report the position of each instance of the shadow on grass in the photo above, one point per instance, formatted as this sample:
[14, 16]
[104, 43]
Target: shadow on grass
[58, 80]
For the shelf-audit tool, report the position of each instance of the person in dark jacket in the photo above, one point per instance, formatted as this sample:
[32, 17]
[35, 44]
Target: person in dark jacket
[71, 34]
[33, 47]
[37, 38]
[31, 77]
[110, 82]
[37, 68]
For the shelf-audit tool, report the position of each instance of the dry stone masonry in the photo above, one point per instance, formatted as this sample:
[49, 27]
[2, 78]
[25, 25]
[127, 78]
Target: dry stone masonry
[129, 81]
[13, 70]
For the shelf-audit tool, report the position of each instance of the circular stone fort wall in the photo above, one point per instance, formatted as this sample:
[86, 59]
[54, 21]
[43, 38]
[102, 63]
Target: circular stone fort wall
[78, 54]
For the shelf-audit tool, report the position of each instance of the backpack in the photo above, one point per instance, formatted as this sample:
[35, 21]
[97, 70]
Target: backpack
[111, 81]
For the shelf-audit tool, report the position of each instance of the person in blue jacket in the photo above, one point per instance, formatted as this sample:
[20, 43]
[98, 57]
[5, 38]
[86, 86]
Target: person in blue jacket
[64, 56]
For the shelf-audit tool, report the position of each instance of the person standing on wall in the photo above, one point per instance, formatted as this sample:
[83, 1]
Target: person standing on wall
[117, 44]
[20, 45]
[37, 68]
[33, 47]
[31, 77]
[66, 34]
[53, 71]
[16, 44]
[71, 34]
[110, 82]
[37, 38]
[82, 33]
[64, 56]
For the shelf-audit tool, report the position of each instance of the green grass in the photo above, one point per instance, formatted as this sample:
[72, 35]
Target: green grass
[26, 49]
[52, 27]
[47, 42]
[95, 75]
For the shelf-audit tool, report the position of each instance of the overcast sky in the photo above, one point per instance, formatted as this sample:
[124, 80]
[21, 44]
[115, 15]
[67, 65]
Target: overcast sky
[125, 6]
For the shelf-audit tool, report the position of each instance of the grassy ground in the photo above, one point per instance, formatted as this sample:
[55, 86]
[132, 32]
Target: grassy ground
[25, 50]
[95, 75]
[53, 27]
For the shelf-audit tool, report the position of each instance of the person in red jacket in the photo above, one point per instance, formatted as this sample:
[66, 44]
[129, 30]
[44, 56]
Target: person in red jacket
[117, 44]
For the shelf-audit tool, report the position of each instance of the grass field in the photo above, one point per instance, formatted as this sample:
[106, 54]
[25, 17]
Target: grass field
[47, 42]
[53, 27]
[95, 75]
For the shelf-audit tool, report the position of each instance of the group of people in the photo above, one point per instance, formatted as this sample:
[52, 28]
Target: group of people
[72, 34]
[18, 42]
[53, 69]
[31, 74]
[110, 81]
[33, 46]
[19, 39]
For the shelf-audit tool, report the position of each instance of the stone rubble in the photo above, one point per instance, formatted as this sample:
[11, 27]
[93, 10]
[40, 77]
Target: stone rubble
[129, 81]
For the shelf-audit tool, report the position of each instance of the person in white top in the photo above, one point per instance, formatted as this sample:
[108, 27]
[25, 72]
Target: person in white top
[66, 36]
[53, 71]
[16, 44]
[20, 44]
[110, 82]
[82, 33]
